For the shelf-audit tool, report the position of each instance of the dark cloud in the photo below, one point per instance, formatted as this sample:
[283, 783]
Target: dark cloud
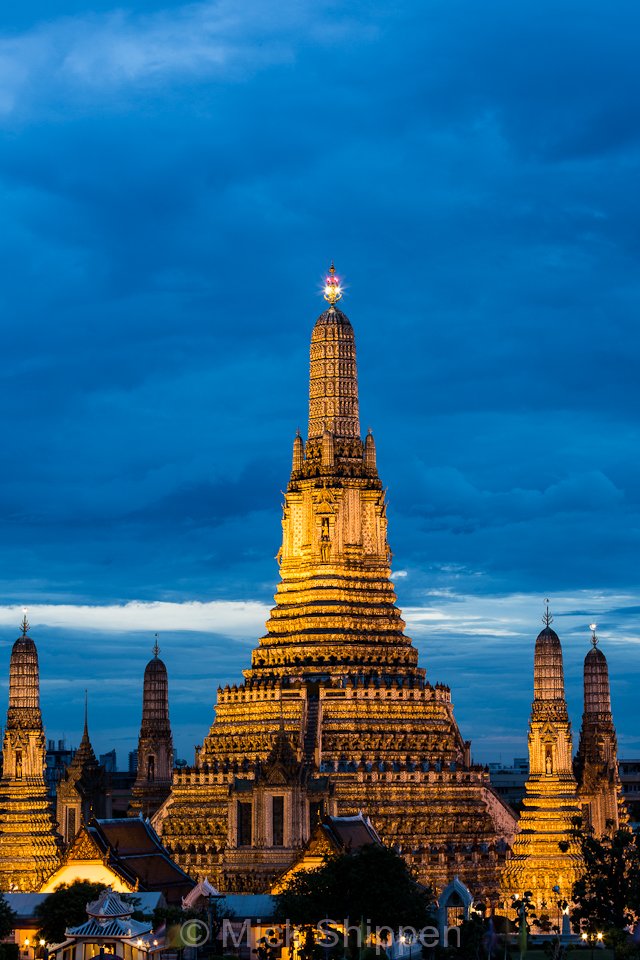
[173, 181]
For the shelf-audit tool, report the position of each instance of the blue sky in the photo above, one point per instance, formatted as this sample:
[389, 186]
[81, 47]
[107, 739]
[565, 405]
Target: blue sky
[174, 180]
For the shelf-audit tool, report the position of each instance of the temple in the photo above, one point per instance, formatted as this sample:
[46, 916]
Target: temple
[596, 762]
[545, 853]
[335, 715]
[155, 744]
[83, 792]
[29, 844]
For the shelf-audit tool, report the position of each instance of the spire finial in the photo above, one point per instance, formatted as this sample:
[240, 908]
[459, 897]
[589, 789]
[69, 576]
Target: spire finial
[86, 712]
[594, 638]
[332, 288]
[25, 623]
[547, 619]
[156, 648]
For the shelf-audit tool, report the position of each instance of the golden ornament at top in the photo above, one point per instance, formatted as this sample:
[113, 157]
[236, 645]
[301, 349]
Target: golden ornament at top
[332, 289]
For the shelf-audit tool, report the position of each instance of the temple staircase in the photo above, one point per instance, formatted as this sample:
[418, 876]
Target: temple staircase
[311, 732]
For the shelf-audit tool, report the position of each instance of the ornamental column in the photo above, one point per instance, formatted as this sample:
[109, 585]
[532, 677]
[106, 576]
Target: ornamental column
[155, 744]
[545, 853]
[29, 843]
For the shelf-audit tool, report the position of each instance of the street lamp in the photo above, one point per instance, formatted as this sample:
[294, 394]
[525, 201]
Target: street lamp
[213, 896]
[591, 938]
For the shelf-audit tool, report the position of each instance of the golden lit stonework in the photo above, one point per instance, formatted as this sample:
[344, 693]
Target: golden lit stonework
[29, 845]
[155, 743]
[334, 715]
[545, 853]
[596, 762]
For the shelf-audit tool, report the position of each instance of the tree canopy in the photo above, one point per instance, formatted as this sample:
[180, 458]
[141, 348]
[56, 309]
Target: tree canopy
[373, 884]
[65, 907]
[607, 895]
[8, 918]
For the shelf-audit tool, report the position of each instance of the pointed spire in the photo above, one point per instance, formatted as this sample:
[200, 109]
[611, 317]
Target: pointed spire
[597, 693]
[29, 851]
[333, 381]
[297, 460]
[84, 754]
[548, 670]
[24, 676]
[370, 451]
[24, 626]
[332, 288]
[155, 745]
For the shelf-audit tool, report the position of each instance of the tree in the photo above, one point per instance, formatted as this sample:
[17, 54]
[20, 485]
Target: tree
[607, 895]
[8, 918]
[372, 885]
[65, 907]
[212, 913]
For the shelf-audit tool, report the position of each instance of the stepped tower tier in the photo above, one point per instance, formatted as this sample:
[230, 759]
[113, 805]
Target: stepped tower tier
[551, 803]
[155, 744]
[334, 715]
[596, 762]
[29, 844]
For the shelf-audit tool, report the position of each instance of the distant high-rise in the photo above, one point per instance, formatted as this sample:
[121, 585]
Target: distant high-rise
[29, 844]
[155, 744]
[109, 761]
[538, 862]
[596, 763]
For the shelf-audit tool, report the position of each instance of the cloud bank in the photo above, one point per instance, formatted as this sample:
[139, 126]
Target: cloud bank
[174, 179]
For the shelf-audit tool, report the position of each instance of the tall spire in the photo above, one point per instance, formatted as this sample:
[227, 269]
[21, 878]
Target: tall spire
[335, 604]
[333, 381]
[24, 676]
[335, 682]
[29, 846]
[597, 695]
[155, 743]
[548, 670]
[540, 860]
[84, 790]
[596, 762]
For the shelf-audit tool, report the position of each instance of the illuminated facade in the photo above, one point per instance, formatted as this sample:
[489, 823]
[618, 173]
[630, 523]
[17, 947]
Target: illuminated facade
[155, 744]
[551, 803]
[596, 762]
[334, 715]
[29, 845]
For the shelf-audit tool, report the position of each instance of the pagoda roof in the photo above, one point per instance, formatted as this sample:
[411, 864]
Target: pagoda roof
[350, 833]
[113, 928]
[202, 890]
[109, 904]
[133, 850]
